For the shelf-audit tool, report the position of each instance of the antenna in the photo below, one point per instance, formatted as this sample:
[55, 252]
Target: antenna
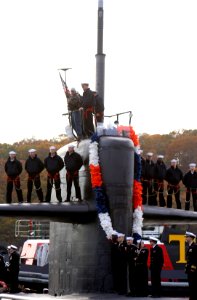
[64, 69]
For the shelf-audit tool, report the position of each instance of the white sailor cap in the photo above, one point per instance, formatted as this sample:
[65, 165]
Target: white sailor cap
[71, 146]
[13, 247]
[12, 153]
[8, 247]
[190, 234]
[129, 238]
[139, 151]
[52, 148]
[121, 234]
[32, 150]
[138, 241]
[173, 160]
[192, 165]
[149, 154]
[153, 238]
[114, 232]
[73, 89]
[160, 156]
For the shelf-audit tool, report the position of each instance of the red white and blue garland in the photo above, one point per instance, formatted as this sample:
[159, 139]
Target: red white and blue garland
[100, 193]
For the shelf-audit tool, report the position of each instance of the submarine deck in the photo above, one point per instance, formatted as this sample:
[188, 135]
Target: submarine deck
[86, 212]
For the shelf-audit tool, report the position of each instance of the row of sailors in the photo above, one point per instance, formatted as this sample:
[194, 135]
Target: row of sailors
[53, 164]
[153, 176]
[130, 266]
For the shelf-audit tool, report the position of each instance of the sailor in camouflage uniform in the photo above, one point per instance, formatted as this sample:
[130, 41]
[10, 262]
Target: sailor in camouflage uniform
[191, 266]
[74, 103]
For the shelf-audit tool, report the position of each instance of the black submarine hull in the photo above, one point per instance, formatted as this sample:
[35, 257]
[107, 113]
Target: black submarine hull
[80, 257]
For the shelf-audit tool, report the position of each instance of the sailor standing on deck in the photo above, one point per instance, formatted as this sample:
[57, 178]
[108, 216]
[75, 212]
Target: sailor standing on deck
[73, 162]
[190, 181]
[147, 180]
[191, 266]
[74, 103]
[34, 166]
[173, 176]
[99, 108]
[159, 175]
[13, 168]
[156, 264]
[53, 164]
[88, 103]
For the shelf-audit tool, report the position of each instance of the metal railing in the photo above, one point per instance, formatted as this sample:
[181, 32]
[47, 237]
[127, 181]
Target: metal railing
[32, 229]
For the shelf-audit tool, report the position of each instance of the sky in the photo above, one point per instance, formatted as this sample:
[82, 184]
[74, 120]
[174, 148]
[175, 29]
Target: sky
[151, 63]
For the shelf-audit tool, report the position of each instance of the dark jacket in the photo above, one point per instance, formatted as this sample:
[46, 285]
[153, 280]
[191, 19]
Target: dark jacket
[34, 166]
[156, 258]
[122, 255]
[174, 175]
[73, 161]
[159, 170]
[131, 251]
[88, 99]
[99, 105]
[53, 164]
[191, 258]
[148, 169]
[74, 102]
[142, 257]
[13, 168]
[14, 262]
[190, 180]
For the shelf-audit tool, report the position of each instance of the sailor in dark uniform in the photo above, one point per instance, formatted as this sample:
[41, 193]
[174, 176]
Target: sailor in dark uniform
[173, 177]
[114, 259]
[14, 264]
[159, 175]
[13, 168]
[148, 180]
[99, 108]
[53, 164]
[141, 270]
[156, 264]
[190, 182]
[88, 103]
[131, 250]
[122, 265]
[73, 162]
[191, 266]
[34, 166]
